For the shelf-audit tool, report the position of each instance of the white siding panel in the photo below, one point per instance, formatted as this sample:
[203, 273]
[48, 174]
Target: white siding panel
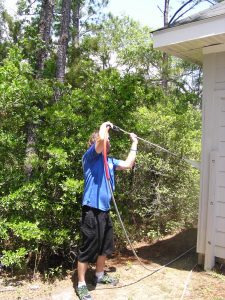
[220, 252]
[222, 133]
[222, 148]
[223, 104]
[220, 209]
[221, 163]
[220, 86]
[220, 239]
[220, 74]
[220, 194]
[221, 179]
[220, 62]
[222, 118]
[220, 224]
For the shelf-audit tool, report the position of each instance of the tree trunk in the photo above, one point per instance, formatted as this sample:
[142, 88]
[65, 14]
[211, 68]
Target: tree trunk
[30, 150]
[165, 59]
[63, 41]
[44, 33]
[76, 23]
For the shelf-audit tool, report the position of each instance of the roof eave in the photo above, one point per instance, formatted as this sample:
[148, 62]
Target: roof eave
[191, 37]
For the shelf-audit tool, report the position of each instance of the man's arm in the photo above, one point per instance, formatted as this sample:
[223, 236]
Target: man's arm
[129, 162]
[104, 129]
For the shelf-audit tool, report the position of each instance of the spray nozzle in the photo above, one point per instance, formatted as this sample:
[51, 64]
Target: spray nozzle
[116, 128]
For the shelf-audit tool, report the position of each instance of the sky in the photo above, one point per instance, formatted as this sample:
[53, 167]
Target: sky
[144, 11]
[147, 12]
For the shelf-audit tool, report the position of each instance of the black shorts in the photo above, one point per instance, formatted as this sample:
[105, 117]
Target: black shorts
[97, 234]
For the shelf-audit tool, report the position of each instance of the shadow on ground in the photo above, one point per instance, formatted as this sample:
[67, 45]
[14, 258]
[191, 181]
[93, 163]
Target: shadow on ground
[155, 256]
[161, 252]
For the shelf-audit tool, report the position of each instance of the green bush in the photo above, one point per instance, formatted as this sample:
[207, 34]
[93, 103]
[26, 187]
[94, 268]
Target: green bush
[14, 259]
[40, 216]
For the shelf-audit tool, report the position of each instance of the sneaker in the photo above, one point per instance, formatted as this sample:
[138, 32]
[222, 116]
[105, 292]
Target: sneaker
[106, 279]
[83, 293]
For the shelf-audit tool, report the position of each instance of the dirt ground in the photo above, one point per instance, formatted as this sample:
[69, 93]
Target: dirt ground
[181, 279]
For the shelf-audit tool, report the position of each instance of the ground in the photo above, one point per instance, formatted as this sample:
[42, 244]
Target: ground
[180, 279]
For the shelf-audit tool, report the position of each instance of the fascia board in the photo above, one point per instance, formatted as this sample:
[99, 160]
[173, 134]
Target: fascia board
[188, 32]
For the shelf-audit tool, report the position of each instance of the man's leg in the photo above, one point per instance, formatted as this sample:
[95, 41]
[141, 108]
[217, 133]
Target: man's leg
[101, 277]
[81, 268]
[100, 264]
[107, 248]
[81, 289]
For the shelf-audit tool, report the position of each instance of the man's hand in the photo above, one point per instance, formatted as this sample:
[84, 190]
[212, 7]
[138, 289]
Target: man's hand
[108, 124]
[105, 126]
[133, 138]
[104, 129]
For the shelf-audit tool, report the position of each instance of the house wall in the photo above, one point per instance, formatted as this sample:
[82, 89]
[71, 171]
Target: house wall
[211, 223]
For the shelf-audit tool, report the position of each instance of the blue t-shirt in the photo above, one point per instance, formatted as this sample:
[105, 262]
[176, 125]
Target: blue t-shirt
[96, 191]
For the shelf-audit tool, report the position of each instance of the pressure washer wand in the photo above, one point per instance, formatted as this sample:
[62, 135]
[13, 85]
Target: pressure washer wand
[195, 164]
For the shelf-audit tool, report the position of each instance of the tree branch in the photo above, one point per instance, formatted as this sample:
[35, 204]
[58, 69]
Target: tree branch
[213, 3]
[160, 9]
[177, 12]
[184, 13]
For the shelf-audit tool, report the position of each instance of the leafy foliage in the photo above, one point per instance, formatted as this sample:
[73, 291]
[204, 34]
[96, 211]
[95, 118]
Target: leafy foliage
[40, 217]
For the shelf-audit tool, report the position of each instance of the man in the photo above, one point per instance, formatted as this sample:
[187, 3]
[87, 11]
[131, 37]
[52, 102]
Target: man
[96, 224]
